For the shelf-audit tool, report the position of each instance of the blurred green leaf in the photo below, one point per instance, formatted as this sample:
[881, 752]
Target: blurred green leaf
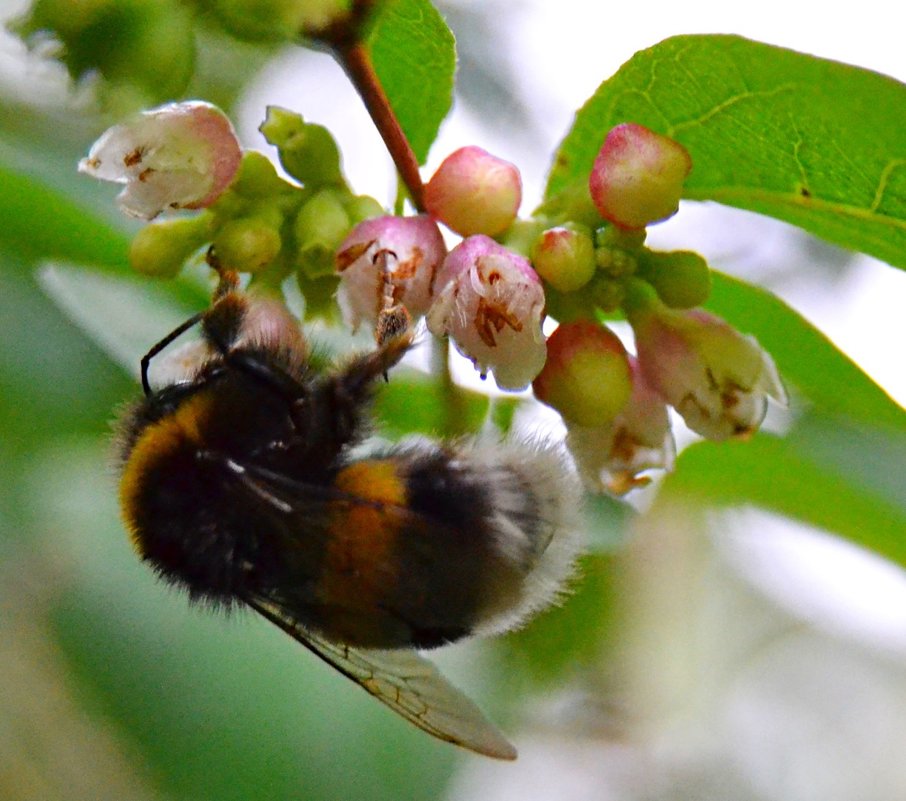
[414, 56]
[806, 358]
[416, 402]
[813, 142]
[870, 457]
[124, 316]
[795, 479]
[571, 637]
[53, 381]
[39, 222]
[839, 467]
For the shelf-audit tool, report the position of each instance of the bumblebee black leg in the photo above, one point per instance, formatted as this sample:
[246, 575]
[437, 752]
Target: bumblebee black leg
[338, 402]
[174, 334]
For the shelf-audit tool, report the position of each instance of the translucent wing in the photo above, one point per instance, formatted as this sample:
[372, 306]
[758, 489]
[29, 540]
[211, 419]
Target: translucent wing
[406, 682]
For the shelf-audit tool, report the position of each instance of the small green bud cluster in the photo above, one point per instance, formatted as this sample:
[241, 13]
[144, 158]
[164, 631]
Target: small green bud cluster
[637, 179]
[265, 225]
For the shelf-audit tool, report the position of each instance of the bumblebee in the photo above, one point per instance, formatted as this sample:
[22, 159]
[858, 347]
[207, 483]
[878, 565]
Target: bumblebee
[247, 481]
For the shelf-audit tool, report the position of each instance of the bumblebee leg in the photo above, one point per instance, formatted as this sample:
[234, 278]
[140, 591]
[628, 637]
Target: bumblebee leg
[393, 319]
[338, 404]
[157, 348]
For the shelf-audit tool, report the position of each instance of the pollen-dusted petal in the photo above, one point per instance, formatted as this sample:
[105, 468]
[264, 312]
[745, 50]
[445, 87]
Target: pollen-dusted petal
[491, 304]
[716, 378]
[416, 250]
[181, 155]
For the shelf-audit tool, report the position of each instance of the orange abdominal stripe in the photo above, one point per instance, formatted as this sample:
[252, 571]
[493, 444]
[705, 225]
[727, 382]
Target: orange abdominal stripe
[360, 566]
[158, 442]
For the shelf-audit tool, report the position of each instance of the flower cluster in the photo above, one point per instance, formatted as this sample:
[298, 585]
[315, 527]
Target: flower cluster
[489, 295]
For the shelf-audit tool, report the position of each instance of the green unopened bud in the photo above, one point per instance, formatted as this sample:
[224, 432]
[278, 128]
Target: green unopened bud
[248, 244]
[606, 293]
[257, 178]
[681, 278]
[612, 236]
[320, 226]
[615, 262]
[161, 249]
[277, 20]
[565, 257]
[363, 207]
[587, 374]
[307, 151]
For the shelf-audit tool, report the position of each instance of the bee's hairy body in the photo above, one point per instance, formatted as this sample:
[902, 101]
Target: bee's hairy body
[240, 483]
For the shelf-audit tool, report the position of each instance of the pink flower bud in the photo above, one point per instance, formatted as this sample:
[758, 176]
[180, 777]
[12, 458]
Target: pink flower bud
[180, 156]
[491, 302]
[638, 176]
[586, 377]
[473, 192]
[417, 250]
[716, 378]
[611, 457]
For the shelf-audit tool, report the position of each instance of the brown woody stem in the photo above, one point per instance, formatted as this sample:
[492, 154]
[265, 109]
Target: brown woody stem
[356, 61]
[345, 38]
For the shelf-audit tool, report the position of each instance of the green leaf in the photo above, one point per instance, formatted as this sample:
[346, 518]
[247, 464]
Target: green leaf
[38, 222]
[838, 468]
[813, 142]
[414, 56]
[124, 316]
[871, 457]
[805, 357]
[416, 402]
[787, 476]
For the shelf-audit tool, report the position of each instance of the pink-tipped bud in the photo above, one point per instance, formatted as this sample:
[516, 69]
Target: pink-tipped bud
[473, 192]
[178, 156]
[586, 377]
[611, 458]
[490, 302]
[638, 176]
[417, 250]
[565, 257]
[716, 378]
